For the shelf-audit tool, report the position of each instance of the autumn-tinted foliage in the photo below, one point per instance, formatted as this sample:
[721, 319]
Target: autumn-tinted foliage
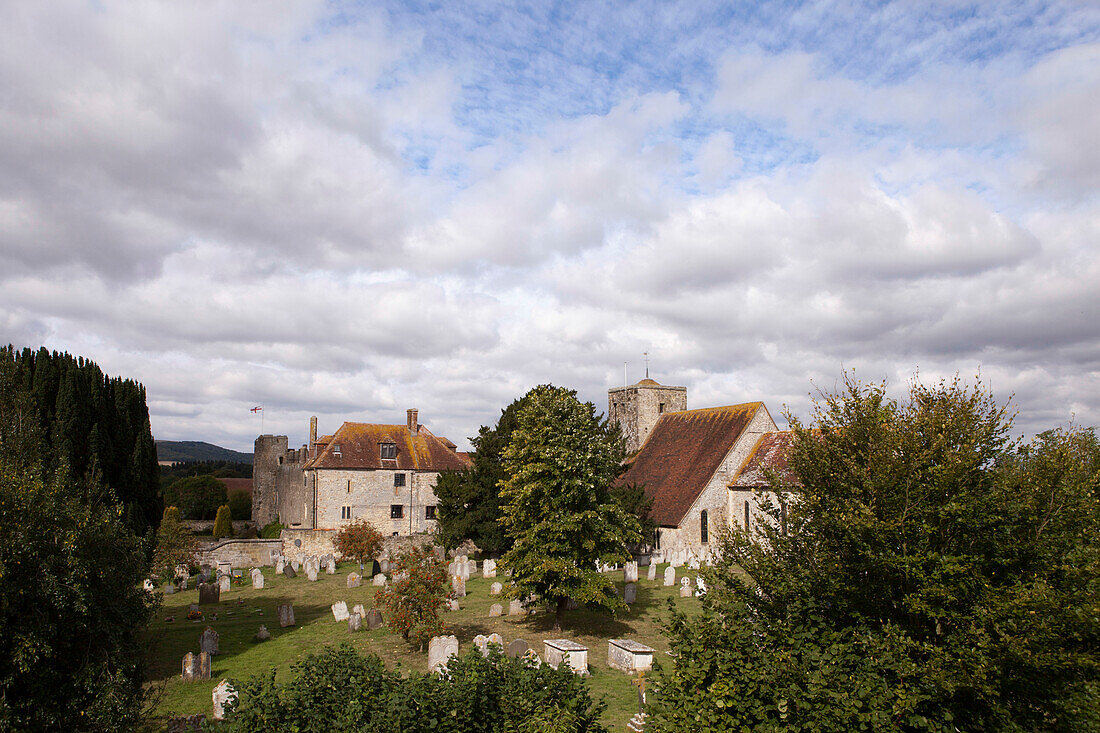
[416, 593]
[932, 578]
[358, 541]
[338, 690]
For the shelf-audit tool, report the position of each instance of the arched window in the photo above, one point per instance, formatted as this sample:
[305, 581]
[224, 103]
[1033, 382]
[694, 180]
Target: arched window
[703, 526]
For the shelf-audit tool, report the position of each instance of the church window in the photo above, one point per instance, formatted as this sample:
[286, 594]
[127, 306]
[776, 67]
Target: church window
[746, 516]
[389, 451]
[703, 529]
[429, 512]
[345, 512]
[398, 479]
[397, 511]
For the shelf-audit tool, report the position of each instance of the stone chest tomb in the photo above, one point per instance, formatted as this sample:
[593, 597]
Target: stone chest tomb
[629, 656]
[564, 650]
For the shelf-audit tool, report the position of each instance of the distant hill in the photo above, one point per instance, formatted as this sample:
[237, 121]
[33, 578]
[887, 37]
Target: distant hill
[196, 450]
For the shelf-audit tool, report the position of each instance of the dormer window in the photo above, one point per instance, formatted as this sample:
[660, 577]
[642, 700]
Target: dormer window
[389, 451]
[335, 449]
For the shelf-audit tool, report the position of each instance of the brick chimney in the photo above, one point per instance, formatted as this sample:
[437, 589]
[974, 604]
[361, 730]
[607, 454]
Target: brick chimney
[414, 427]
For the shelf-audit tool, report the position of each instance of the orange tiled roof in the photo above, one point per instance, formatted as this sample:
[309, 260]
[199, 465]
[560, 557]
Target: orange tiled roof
[360, 447]
[237, 484]
[681, 455]
[770, 452]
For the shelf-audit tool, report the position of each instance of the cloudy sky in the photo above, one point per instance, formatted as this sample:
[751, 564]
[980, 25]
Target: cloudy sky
[348, 209]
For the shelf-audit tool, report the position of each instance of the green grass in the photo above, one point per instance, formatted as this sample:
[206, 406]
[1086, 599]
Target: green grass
[243, 609]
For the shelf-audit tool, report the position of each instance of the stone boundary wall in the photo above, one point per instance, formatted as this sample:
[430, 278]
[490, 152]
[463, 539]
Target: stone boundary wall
[240, 553]
[206, 525]
[298, 544]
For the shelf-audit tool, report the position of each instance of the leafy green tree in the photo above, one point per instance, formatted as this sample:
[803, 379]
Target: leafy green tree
[72, 607]
[338, 690]
[240, 505]
[469, 501]
[175, 544]
[359, 541]
[558, 509]
[223, 523]
[415, 595]
[198, 497]
[930, 578]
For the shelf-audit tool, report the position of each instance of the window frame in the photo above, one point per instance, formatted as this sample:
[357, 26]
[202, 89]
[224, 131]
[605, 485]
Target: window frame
[430, 512]
[397, 511]
[384, 448]
[398, 479]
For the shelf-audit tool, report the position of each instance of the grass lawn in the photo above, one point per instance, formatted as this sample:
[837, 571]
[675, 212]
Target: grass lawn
[243, 609]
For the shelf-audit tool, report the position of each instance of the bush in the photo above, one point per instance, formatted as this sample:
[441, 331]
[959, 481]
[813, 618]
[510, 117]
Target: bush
[359, 541]
[175, 544]
[338, 690]
[223, 524]
[415, 595]
[240, 505]
[198, 497]
[271, 531]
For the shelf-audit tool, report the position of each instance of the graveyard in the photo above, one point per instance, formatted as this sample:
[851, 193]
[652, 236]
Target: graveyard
[240, 611]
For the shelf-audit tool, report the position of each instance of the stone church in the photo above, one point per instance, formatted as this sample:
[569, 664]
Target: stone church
[383, 473]
[701, 467]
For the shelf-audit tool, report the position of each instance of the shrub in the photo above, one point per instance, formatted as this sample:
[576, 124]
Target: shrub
[416, 593]
[359, 541]
[240, 505]
[223, 524]
[271, 531]
[175, 544]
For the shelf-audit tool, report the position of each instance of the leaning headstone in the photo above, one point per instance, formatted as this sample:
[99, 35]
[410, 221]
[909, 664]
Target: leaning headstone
[489, 569]
[440, 649]
[516, 649]
[224, 583]
[630, 572]
[286, 615]
[495, 610]
[355, 622]
[458, 585]
[354, 580]
[289, 571]
[340, 611]
[262, 635]
[208, 642]
[189, 667]
[279, 565]
[652, 575]
[359, 609]
[374, 619]
[670, 576]
[481, 642]
[515, 608]
[495, 589]
[630, 593]
[223, 695]
[209, 593]
[685, 587]
[257, 580]
[379, 580]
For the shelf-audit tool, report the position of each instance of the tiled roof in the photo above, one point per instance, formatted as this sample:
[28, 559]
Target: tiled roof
[237, 484]
[360, 447]
[770, 452]
[681, 455]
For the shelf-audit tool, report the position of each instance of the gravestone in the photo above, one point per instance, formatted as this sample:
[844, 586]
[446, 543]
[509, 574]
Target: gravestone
[629, 656]
[340, 611]
[289, 571]
[379, 579]
[489, 569]
[209, 593]
[190, 669]
[375, 568]
[330, 565]
[286, 615]
[700, 586]
[359, 609]
[516, 649]
[169, 589]
[630, 572]
[354, 580]
[384, 566]
[481, 642]
[458, 585]
[374, 619]
[223, 695]
[471, 568]
[263, 634]
[685, 587]
[531, 658]
[557, 651]
[495, 610]
[183, 584]
[494, 638]
[225, 568]
[440, 649]
[670, 576]
[355, 622]
[279, 565]
[311, 573]
[224, 583]
[652, 575]
[630, 593]
[452, 605]
[295, 565]
[149, 585]
[515, 608]
[495, 589]
[693, 563]
[208, 642]
[257, 580]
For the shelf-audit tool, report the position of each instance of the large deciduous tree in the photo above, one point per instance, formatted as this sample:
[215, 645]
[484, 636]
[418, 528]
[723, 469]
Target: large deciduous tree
[929, 576]
[198, 497]
[557, 506]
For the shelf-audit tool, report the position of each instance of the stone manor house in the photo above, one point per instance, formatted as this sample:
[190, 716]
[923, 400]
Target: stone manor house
[702, 468]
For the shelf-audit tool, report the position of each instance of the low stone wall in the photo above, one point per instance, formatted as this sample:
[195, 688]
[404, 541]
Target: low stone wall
[206, 525]
[240, 553]
[301, 543]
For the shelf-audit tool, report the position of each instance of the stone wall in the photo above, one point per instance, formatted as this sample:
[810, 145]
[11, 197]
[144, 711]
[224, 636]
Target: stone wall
[345, 495]
[240, 553]
[278, 490]
[206, 525]
[300, 543]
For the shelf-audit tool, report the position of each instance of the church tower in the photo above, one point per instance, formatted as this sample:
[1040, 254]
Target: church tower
[638, 407]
